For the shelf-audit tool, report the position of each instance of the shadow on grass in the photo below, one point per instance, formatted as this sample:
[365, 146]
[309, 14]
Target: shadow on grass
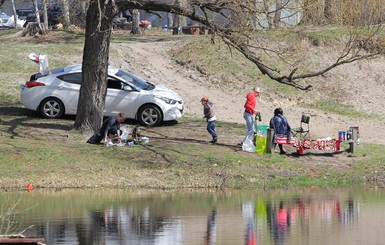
[317, 154]
[20, 122]
[14, 117]
[191, 127]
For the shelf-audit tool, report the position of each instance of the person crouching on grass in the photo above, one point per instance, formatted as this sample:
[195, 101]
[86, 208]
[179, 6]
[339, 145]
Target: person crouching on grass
[209, 115]
[110, 129]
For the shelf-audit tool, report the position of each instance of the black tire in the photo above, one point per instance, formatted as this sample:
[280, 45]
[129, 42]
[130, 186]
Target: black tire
[150, 115]
[51, 108]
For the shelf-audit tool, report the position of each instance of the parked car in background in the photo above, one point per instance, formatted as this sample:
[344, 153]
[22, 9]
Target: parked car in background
[4, 20]
[53, 93]
[121, 23]
[23, 13]
[54, 14]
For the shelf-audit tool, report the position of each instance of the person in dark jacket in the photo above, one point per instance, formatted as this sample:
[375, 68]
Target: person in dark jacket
[209, 115]
[111, 127]
[281, 128]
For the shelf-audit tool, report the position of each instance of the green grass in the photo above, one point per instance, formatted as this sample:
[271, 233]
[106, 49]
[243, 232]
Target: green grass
[51, 154]
[30, 156]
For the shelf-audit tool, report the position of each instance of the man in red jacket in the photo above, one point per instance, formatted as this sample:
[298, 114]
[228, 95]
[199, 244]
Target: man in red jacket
[250, 110]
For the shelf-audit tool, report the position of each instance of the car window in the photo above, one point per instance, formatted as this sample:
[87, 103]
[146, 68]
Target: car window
[134, 80]
[113, 83]
[75, 78]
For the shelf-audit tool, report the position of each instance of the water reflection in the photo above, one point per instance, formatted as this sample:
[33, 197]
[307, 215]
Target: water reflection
[234, 217]
[248, 211]
[211, 233]
[279, 220]
[124, 225]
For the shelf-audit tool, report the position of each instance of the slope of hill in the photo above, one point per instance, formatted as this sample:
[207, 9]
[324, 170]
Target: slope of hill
[361, 87]
[356, 90]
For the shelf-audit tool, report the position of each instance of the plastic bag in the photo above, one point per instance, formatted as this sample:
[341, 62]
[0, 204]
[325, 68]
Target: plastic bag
[125, 133]
[261, 145]
[248, 145]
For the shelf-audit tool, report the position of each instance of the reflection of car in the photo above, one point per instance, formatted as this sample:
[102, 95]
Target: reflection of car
[56, 93]
[3, 19]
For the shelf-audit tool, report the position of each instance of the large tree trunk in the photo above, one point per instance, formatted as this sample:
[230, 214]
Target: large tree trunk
[177, 25]
[66, 16]
[37, 27]
[170, 20]
[34, 2]
[45, 16]
[14, 13]
[328, 10]
[135, 22]
[277, 13]
[95, 65]
[268, 13]
[177, 28]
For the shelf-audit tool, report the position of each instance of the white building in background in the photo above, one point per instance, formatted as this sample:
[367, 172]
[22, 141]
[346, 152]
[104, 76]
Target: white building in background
[290, 14]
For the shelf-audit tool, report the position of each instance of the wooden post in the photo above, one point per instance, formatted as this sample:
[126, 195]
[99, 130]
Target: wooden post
[354, 139]
[270, 133]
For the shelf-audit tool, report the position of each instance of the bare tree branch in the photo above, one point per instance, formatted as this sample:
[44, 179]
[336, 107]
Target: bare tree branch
[223, 18]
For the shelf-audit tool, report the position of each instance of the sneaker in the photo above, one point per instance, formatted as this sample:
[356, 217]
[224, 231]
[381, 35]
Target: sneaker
[214, 140]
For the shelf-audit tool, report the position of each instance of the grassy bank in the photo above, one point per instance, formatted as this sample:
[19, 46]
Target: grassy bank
[50, 154]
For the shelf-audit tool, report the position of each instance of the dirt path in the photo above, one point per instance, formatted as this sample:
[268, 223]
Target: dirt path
[151, 61]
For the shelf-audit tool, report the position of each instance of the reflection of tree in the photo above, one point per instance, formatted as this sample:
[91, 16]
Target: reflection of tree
[145, 226]
[210, 238]
[350, 212]
[7, 218]
[93, 231]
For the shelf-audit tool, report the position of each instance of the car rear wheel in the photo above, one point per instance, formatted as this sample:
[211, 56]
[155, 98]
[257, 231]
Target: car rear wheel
[150, 115]
[51, 108]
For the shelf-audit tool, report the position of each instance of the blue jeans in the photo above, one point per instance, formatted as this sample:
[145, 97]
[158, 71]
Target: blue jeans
[249, 118]
[211, 128]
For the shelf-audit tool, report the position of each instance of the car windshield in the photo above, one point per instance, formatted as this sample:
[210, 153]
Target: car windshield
[137, 82]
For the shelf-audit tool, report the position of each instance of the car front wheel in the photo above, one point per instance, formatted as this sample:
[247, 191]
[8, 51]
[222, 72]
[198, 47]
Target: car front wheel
[150, 115]
[51, 108]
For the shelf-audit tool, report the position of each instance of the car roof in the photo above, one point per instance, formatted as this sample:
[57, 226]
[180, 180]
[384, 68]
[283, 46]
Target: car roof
[78, 68]
[72, 68]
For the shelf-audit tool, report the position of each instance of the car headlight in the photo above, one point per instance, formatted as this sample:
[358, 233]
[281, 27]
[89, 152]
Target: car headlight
[167, 100]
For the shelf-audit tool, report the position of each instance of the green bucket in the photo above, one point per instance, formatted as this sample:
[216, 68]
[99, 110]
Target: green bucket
[262, 129]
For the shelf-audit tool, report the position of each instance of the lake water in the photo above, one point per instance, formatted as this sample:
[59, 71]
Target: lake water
[301, 216]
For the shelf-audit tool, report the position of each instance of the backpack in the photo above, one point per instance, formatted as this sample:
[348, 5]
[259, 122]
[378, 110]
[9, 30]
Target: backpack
[95, 139]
